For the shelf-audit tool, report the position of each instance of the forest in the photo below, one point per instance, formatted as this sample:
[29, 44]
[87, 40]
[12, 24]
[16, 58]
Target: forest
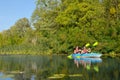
[57, 26]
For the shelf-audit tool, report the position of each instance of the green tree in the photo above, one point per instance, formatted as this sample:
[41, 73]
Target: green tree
[44, 14]
[21, 26]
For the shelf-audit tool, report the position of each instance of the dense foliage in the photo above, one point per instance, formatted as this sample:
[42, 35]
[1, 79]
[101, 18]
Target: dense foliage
[59, 25]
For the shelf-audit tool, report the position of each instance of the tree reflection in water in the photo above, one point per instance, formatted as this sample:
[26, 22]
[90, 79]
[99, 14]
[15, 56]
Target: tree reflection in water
[27, 67]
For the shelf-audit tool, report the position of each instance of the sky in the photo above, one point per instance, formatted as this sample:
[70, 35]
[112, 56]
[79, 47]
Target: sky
[13, 10]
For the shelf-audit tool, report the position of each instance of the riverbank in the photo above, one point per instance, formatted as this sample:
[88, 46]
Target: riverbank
[30, 52]
[26, 52]
[111, 55]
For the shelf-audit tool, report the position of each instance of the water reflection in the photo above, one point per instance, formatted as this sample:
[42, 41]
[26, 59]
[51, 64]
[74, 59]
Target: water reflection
[87, 63]
[46, 67]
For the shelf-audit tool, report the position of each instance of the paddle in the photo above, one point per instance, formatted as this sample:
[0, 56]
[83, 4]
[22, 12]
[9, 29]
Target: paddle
[95, 44]
[69, 56]
[88, 44]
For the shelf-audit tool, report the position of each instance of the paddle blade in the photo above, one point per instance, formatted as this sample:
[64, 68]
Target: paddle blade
[95, 44]
[88, 44]
[77, 56]
[70, 56]
[88, 67]
[96, 68]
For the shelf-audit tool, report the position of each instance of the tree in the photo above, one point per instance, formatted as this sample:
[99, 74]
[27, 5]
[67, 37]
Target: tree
[21, 27]
[44, 14]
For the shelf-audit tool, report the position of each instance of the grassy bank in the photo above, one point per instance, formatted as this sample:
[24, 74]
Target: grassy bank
[112, 55]
[23, 50]
[38, 50]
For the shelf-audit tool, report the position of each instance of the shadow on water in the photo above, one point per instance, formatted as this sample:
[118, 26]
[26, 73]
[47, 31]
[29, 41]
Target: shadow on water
[26, 67]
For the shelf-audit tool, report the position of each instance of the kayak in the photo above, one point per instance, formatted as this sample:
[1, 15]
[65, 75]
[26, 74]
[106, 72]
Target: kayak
[87, 55]
[91, 60]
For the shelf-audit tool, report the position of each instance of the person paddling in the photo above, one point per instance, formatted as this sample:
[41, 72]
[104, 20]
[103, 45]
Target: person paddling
[85, 50]
[77, 50]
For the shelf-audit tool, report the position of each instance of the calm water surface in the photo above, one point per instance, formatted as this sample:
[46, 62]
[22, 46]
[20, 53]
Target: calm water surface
[21, 67]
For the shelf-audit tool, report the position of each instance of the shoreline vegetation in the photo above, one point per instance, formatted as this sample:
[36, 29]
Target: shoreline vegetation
[57, 26]
[111, 55]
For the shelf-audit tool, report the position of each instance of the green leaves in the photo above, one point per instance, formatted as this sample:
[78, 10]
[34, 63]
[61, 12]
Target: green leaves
[75, 13]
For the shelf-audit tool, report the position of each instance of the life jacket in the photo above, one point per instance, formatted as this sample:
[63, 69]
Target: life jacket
[85, 51]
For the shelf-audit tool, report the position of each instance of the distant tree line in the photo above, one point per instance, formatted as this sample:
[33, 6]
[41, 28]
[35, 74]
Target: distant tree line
[57, 26]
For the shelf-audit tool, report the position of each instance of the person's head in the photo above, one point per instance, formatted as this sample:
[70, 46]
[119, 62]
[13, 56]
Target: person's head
[77, 47]
[74, 48]
[84, 47]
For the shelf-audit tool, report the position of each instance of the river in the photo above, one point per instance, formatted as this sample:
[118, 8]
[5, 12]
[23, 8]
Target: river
[57, 67]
